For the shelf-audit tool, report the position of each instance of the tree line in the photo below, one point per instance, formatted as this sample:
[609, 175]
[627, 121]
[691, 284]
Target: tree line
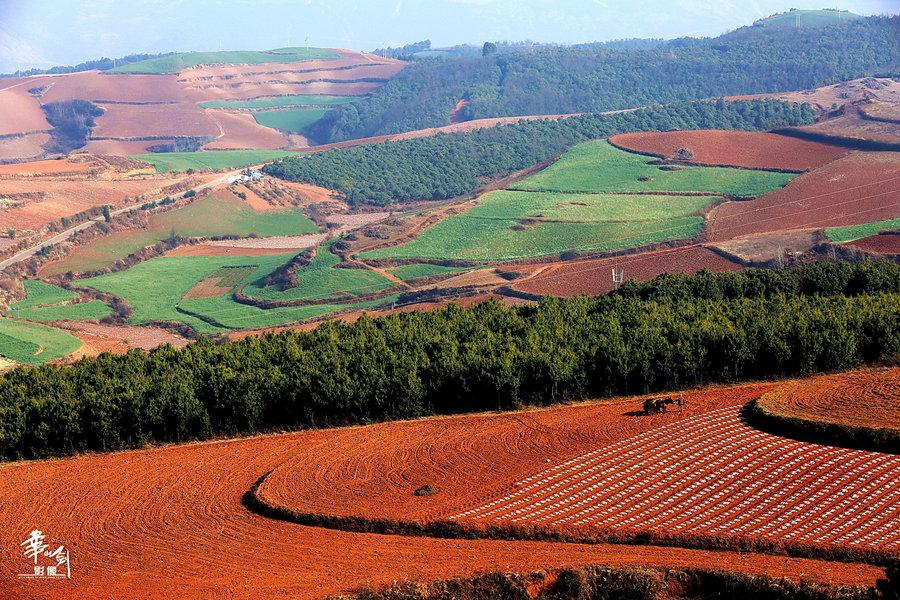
[458, 360]
[590, 78]
[448, 165]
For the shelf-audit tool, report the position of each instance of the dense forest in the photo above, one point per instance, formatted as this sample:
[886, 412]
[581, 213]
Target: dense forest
[448, 165]
[674, 332]
[72, 121]
[589, 78]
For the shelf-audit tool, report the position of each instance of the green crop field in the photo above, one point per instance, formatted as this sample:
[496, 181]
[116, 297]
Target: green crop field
[214, 215]
[33, 344]
[46, 302]
[513, 224]
[174, 63]
[807, 18]
[281, 101]
[292, 120]
[178, 162]
[320, 280]
[600, 167]
[842, 235]
[419, 270]
[41, 293]
[140, 287]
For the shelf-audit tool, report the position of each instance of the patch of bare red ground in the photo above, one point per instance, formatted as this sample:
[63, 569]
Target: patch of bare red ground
[170, 521]
[208, 250]
[823, 98]
[594, 276]
[456, 115]
[858, 188]
[313, 193]
[23, 147]
[238, 131]
[93, 345]
[157, 120]
[46, 167]
[121, 147]
[852, 127]
[771, 246]
[144, 337]
[96, 87]
[21, 111]
[751, 149]
[885, 243]
[859, 399]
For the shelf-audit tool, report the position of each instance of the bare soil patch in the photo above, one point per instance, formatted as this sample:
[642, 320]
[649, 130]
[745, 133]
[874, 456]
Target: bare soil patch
[884, 243]
[770, 247]
[146, 338]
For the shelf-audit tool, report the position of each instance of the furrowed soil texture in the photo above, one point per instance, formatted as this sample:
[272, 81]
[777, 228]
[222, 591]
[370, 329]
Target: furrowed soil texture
[220, 213]
[860, 188]
[751, 149]
[170, 521]
[857, 399]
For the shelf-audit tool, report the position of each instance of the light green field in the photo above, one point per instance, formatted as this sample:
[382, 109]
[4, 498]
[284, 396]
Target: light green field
[174, 63]
[46, 302]
[213, 160]
[32, 344]
[320, 280]
[807, 18]
[41, 293]
[214, 215]
[850, 233]
[139, 287]
[599, 167]
[513, 224]
[293, 120]
[281, 101]
[419, 270]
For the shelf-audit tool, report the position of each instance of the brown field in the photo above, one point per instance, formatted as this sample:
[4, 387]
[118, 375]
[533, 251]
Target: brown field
[594, 276]
[861, 399]
[21, 111]
[210, 250]
[96, 87]
[239, 131]
[47, 167]
[770, 246]
[885, 243]
[120, 147]
[858, 188]
[757, 150]
[823, 98]
[170, 520]
[852, 127]
[23, 146]
[127, 336]
[160, 120]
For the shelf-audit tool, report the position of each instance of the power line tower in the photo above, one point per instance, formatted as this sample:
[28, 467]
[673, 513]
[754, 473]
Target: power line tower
[618, 277]
[797, 20]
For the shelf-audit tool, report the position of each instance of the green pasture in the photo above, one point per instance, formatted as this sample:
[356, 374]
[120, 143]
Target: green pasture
[173, 63]
[598, 166]
[33, 344]
[850, 233]
[41, 293]
[46, 302]
[213, 160]
[292, 120]
[419, 270]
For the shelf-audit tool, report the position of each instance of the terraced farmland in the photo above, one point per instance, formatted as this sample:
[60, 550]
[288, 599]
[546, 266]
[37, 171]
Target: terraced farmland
[712, 474]
[176, 62]
[280, 102]
[595, 198]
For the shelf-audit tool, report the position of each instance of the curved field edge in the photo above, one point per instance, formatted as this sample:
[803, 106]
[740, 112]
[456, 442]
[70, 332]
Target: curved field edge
[820, 432]
[34, 344]
[255, 500]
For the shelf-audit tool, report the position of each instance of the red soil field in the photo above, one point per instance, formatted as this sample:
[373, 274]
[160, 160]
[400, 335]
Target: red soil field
[859, 399]
[822, 99]
[737, 148]
[23, 147]
[594, 276]
[713, 474]
[128, 336]
[170, 522]
[858, 188]
[46, 167]
[96, 86]
[159, 120]
[887, 243]
[239, 131]
[21, 111]
[120, 147]
[208, 250]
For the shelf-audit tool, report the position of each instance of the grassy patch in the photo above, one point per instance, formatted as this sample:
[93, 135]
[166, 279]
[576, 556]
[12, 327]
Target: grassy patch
[320, 280]
[281, 101]
[419, 270]
[293, 120]
[88, 311]
[41, 293]
[599, 167]
[513, 224]
[842, 235]
[174, 63]
[214, 215]
[179, 162]
[33, 344]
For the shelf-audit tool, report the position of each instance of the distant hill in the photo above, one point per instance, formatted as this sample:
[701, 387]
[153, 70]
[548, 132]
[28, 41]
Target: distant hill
[173, 63]
[808, 18]
[592, 77]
